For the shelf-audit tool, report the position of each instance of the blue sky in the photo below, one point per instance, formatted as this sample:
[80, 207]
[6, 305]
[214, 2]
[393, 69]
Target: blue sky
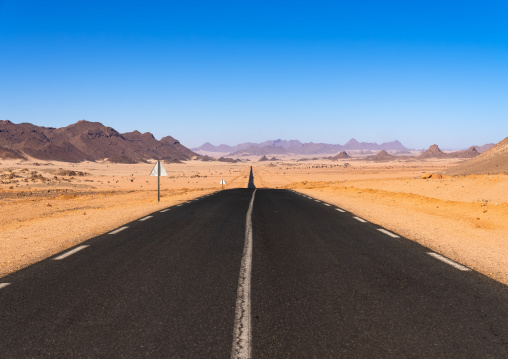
[422, 72]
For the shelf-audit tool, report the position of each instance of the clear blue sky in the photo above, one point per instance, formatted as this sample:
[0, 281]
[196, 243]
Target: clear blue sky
[422, 72]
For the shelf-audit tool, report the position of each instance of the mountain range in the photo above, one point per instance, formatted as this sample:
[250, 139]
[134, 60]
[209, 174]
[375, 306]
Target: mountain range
[87, 141]
[297, 147]
[93, 141]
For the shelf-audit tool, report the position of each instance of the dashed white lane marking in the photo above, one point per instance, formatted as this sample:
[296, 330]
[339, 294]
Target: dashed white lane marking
[340, 210]
[69, 253]
[165, 210]
[448, 261]
[388, 233]
[145, 218]
[242, 333]
[317, 200]
[118, 230]
[3, 285]
[178, 205]
[360, 219]
[326, 204]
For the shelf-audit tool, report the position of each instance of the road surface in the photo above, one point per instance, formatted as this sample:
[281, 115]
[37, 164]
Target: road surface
[317, 282]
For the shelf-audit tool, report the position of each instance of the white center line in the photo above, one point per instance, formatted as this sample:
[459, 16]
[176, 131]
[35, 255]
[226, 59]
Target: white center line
[360, 219]
[145, 218]
[242, 333]
[71, 252]
[340, 210]
[118, 230]
[326, 204]
[388, 232]
[317, 200]
[165, 210]
[448, 261]
[3, 285]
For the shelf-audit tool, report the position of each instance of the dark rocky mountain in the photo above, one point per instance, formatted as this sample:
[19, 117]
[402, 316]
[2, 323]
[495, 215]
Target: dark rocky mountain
[435, 152]
[87, 141]
[297, 147]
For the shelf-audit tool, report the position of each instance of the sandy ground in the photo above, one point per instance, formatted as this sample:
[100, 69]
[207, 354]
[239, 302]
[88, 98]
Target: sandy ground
[45, 208]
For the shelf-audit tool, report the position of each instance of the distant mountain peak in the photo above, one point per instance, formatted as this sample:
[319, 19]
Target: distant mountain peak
[352, 141]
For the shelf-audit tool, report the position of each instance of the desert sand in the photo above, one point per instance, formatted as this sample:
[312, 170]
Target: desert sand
[46, 208]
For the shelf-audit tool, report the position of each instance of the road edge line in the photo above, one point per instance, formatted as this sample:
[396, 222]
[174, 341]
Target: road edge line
[69, 253]
[393, 235]
[449, 261]
[118, 230]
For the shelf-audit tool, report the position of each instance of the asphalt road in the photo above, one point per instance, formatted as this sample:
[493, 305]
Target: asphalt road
[322, 284]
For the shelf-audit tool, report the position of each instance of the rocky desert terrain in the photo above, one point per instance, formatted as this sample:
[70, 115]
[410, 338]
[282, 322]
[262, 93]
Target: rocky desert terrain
[48, 206]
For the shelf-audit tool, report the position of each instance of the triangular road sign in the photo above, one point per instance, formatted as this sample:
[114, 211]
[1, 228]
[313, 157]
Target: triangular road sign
[156, 170]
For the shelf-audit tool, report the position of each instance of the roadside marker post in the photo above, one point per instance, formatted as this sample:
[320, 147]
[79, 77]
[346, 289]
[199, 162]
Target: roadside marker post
[158, 171]
[222, 182]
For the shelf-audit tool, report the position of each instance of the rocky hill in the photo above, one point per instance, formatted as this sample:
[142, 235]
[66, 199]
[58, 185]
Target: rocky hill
[339, 156]
[435, 152]
[492, 161]
[469, 153]
[86, 141]
[381, 156]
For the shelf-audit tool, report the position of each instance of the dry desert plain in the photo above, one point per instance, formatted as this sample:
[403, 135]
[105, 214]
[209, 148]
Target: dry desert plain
[47, 207]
